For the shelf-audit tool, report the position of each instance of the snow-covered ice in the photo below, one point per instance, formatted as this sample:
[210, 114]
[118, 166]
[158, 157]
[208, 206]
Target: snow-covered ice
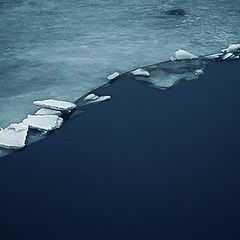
[43, 122]
[113, 76]
[14, 136]
[182, 54]
[47, 111]
[140, 72]
[56, 104]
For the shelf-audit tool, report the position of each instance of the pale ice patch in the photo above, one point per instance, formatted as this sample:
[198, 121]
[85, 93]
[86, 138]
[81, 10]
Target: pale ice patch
[182, 54]
[113, 76]
[56, 104]
[47, 111]
[140, 72]
[14, 136]
[43, 122]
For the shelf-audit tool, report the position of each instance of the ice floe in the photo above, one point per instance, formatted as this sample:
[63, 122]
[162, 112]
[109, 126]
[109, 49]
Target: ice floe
[14, 136]
[140, 72]
[47, 111]
[93, 98]
[182, 54]
[56, 104]
[113, 76]
[43, 122]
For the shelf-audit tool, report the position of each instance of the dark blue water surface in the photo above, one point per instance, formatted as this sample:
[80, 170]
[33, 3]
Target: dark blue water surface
[148, 164]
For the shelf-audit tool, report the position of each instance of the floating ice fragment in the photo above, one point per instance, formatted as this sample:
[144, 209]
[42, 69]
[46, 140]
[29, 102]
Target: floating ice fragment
[235, 57]
[182, 54]
[113, 76]
[140, 72]
[43, 122]
[47, 111]
[56, 104]
[103, 98]
[213, 56]
[14, 136]
[91, 96]
[199, 72]
[227, 55]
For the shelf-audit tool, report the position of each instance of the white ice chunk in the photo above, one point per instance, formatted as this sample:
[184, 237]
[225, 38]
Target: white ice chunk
[113, 76]
[91, 96]
[140, 72]
[213, 56]
[55, 104]
[227, 55]
[235, 57]
[103, 98]
[47, 111]
[199, 72]
[14, 136]
[43, 122]
[182, 54]
[232, 48]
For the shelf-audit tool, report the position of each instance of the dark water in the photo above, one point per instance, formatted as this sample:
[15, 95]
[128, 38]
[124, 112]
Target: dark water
[146, 165]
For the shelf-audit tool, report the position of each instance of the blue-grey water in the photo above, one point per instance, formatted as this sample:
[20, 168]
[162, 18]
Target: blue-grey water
[63, 49]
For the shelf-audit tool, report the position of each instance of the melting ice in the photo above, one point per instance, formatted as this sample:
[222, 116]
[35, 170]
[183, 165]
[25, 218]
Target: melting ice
[64, 49]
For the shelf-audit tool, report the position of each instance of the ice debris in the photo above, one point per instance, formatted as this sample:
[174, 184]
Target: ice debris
[113, 76]
[43, 122]
[140, 72]
[14, 136]
[47, 111]
[56, 104]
